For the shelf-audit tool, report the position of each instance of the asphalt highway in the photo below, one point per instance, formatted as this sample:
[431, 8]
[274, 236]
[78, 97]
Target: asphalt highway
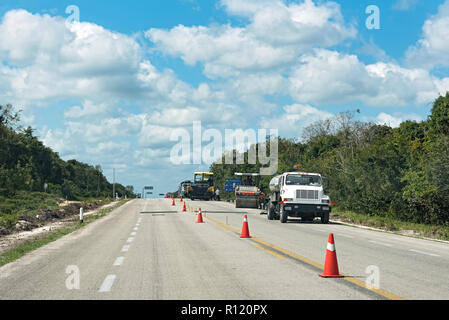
[149, 249]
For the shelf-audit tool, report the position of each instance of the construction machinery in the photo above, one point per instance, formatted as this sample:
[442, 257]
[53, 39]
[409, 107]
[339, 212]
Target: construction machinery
[247, 195]
[183, 186]
[202, 186]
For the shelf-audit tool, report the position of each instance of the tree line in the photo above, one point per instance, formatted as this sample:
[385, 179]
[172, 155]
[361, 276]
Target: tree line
[372, 169]
[26, 164]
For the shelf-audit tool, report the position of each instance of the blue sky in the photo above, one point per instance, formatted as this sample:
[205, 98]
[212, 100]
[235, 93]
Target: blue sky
[112, 88]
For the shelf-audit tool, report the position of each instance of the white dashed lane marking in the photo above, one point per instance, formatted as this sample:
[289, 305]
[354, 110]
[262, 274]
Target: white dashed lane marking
[107, 283]
[119, 261]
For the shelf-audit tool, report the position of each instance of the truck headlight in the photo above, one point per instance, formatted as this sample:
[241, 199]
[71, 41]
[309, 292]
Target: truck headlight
[288, 199]
[325, 200]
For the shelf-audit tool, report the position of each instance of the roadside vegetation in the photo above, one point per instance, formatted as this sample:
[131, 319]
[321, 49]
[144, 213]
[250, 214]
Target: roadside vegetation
[35, 181]
[395, 178]
[440, 232]
[27, 165]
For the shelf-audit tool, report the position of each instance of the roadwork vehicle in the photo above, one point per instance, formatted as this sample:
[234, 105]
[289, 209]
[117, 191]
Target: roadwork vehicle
[202, 186]
[298, 194]
[183, 186]
[247, 195]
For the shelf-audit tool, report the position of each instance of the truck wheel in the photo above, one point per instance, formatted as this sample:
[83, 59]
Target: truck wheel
[325, 218]
[283, 215]
[271, 213]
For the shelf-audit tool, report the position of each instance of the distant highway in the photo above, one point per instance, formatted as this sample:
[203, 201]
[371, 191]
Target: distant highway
[149, 249]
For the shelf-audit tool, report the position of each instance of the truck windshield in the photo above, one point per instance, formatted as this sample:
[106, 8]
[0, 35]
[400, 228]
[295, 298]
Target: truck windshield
[303, 180]
[203, 178]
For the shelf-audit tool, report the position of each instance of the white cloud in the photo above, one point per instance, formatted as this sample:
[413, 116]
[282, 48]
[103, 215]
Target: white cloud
[330, 77]
[85, 62]
[432, 50]
[224, 50]
[47, 61]
[34, 37]
[395, 120]
[404, 4]
[295, 119]
[88, 109]
[276, 35]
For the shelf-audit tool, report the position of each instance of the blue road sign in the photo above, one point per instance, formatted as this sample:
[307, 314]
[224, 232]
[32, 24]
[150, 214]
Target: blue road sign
[231, 183]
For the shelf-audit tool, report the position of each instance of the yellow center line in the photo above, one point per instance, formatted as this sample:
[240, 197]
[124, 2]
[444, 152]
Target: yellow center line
[305, 260]
[268, 250]
[222, 228]
[224, 225]
[288, 253]
[378, 291]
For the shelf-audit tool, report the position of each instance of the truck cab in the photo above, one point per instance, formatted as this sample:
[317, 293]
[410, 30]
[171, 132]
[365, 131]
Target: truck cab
[298, 194]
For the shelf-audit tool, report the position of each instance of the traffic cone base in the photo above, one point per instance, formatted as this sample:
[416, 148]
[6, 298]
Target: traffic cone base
[330, 262]
[245, 229]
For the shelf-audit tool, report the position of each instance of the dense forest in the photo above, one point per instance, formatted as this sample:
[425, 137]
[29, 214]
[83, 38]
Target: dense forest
[372, 169]
[27, 165]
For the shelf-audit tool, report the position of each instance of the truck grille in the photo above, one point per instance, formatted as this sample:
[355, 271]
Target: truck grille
[307, 194]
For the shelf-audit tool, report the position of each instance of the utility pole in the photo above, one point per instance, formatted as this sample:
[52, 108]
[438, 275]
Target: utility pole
[113, 183]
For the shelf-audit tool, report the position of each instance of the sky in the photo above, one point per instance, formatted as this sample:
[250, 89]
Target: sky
[116, 83]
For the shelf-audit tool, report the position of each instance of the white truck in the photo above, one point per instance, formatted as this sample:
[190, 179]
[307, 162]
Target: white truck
[298, 194]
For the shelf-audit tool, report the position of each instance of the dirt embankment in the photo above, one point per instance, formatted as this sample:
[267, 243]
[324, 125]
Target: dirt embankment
[67, 209]
[32, 226]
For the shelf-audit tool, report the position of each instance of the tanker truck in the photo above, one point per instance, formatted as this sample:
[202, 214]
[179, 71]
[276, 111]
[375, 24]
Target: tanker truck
[300, 195]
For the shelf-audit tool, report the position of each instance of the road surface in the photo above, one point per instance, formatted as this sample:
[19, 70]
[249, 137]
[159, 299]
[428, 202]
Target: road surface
[149, 249]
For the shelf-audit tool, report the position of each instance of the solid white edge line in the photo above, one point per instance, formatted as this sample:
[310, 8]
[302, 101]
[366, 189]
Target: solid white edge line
[345, 235]
[381, 243]
[426, 253]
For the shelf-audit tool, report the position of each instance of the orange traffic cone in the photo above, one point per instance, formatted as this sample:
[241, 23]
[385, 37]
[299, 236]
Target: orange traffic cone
[184, 208]
[181, 198]
[245, 229]
[200, 217]
[173, 203]
[330, 262]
